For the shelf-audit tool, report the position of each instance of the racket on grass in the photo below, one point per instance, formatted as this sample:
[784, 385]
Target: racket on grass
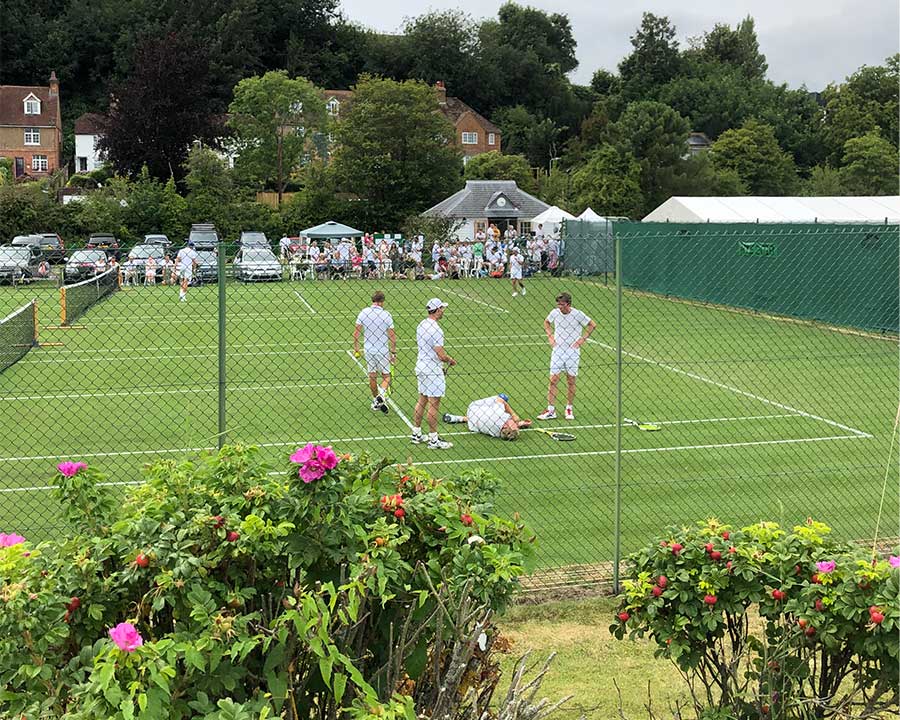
[558, 436]
[645, 427]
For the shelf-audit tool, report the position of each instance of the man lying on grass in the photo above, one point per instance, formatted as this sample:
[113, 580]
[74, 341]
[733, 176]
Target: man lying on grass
[491, 416]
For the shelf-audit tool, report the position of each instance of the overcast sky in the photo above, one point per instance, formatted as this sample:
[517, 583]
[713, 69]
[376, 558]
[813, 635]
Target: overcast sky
[811, 42]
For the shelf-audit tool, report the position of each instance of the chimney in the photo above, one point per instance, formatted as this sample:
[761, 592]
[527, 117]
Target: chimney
[442, 92]
[54, 83]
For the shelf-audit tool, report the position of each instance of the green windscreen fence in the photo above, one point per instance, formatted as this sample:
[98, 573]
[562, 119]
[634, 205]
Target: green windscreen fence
[838, 274]
[588, 247]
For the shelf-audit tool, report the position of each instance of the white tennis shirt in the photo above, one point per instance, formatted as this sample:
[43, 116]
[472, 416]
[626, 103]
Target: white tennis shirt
[567, 328]
[428, 336]
[375, 321]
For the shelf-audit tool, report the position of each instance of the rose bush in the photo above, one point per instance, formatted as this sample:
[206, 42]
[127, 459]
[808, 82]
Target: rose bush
[828, 613]
[218, 589]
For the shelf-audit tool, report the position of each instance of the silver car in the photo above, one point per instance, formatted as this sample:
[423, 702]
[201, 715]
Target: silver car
[256, 263]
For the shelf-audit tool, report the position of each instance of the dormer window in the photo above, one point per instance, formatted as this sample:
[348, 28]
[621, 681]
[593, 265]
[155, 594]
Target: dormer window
[32, 105]
[333, 107]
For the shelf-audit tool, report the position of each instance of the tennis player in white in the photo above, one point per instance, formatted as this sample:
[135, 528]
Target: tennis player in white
[185, 262]
[491, 416]
[515, 271]
[430, 375]
[567, 330]
[380, 347]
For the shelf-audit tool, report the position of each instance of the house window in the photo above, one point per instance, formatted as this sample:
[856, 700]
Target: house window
[39, 162]
[333, 107]
[524, 228]
[470, 138]
[82, 164]
[32, 106]
[492, 139]
[32, 136]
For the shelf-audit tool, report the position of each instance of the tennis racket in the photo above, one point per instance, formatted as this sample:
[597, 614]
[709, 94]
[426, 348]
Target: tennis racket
[558, 436]
[644, 427]
[387, 391]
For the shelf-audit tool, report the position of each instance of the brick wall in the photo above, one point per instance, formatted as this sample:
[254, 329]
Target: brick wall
[468, 124]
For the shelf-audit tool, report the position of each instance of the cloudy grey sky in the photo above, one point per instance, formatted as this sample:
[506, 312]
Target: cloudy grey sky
[811, 42]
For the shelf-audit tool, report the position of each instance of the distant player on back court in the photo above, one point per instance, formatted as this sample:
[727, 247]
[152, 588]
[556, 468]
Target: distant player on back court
[515, 271]
[185, 262]
[430, 375]
[380, 347]
[567, 330]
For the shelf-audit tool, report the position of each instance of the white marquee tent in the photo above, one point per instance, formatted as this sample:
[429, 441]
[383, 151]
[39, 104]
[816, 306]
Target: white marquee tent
[778, 210]
[551, 219]
[591, 216]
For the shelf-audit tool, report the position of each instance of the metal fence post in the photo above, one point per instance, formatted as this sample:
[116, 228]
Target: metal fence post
[221, 310]
[618, 480]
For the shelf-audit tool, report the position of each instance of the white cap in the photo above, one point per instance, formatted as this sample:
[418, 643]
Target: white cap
[435, 304]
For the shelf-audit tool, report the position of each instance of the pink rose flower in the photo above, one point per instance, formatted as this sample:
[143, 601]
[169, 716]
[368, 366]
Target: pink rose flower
[71, 469]
[10, 540]
[311, 470]
[126, 636]
[327, 457]
[826, 566]
[302, 455]
[894, 560]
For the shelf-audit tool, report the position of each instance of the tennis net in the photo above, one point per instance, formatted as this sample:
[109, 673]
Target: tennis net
[18, 334]
[75, 300]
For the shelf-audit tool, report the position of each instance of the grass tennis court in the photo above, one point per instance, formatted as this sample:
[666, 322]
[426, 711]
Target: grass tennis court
[761, 418]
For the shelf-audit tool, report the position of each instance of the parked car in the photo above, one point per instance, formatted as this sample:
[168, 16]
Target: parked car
[53, 246]
[137, 258]
[204, 236]
[207, 270]
[26, 240]
[103, 241]
[83, 264]
[256, 263]
[253, 238]
[19, 262]
[158, 239]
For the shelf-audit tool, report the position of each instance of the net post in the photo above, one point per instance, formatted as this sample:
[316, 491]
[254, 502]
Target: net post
[62, 305]
[617, 525]
[221, 278]
[34, 316]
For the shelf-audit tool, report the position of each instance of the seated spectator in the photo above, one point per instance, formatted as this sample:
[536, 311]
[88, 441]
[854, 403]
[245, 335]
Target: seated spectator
[150, 271]
[168, 268]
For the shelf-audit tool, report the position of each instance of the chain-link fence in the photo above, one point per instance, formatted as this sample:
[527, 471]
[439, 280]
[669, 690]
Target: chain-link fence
[745, 373]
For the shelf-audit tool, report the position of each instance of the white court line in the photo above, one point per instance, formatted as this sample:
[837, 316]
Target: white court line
[471, 299]
[633, 451]
[303, 300]
[53, 487]
[732, 388]
[390, 400]
[371, 438]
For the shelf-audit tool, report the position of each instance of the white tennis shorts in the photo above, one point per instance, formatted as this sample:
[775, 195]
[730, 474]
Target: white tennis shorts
[186, 274]
[515, 274]
[432, 384]
[565, 360]
[378, 363]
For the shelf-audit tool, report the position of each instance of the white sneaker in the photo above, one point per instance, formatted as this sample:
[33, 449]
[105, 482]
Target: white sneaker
[417, 438]
[570, 414]
[439, 444]
[523, 291]
[548, 414]
[515, 294]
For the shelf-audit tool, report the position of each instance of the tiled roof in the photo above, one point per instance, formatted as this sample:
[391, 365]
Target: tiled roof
[456, 108]
[478, 199]
[12, 106]
[90, 124]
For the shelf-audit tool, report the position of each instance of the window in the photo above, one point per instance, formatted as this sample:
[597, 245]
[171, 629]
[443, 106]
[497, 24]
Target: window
[524, 228]
[492, 139]
[32, 136]
[39, 162]
[32, 105]
[82, 164]
[470, 138]
[333, 107]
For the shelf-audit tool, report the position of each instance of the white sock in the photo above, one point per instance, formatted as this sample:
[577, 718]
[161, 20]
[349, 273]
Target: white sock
[551, 408]
[417, 431]
[433, 437]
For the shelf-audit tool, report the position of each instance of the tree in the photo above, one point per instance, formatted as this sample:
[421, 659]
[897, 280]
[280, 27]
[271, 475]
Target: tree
[655, 59]
[753, 153]
[395, 150]
[609, 182]
[275, 118]
[603, 82]
[738, 48]
[209, 184]
[548, 36]
[869, 166]
[823, 181]
[160, 109]
[697, 176]
[494, 166]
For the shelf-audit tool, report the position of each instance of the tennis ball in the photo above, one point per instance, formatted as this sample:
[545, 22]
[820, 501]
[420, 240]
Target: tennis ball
[357, 354]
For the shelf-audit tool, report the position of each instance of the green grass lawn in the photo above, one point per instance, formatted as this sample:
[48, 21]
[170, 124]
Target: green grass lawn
[761, 418]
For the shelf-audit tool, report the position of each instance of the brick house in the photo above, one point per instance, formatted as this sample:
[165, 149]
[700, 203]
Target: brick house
[31, 128]
[475, 134]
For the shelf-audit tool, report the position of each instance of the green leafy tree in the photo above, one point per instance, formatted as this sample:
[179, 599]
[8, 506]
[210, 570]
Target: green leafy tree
[395, 149]
[209, 184]
[603, 82]
[317, 201]
[274, 118]
[738, 48]
[494, 166]
[869, 166]
[753, 153]
[548, 36]
[609, 182]
[697, 176]
[654, 60]
[823, 181]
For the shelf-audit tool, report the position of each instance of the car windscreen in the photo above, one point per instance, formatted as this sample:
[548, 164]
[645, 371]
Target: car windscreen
[102, 239]
[14, 254]
[204, 238]
[258, 255]
[26, 240]
[87, 256]
[145, 251]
